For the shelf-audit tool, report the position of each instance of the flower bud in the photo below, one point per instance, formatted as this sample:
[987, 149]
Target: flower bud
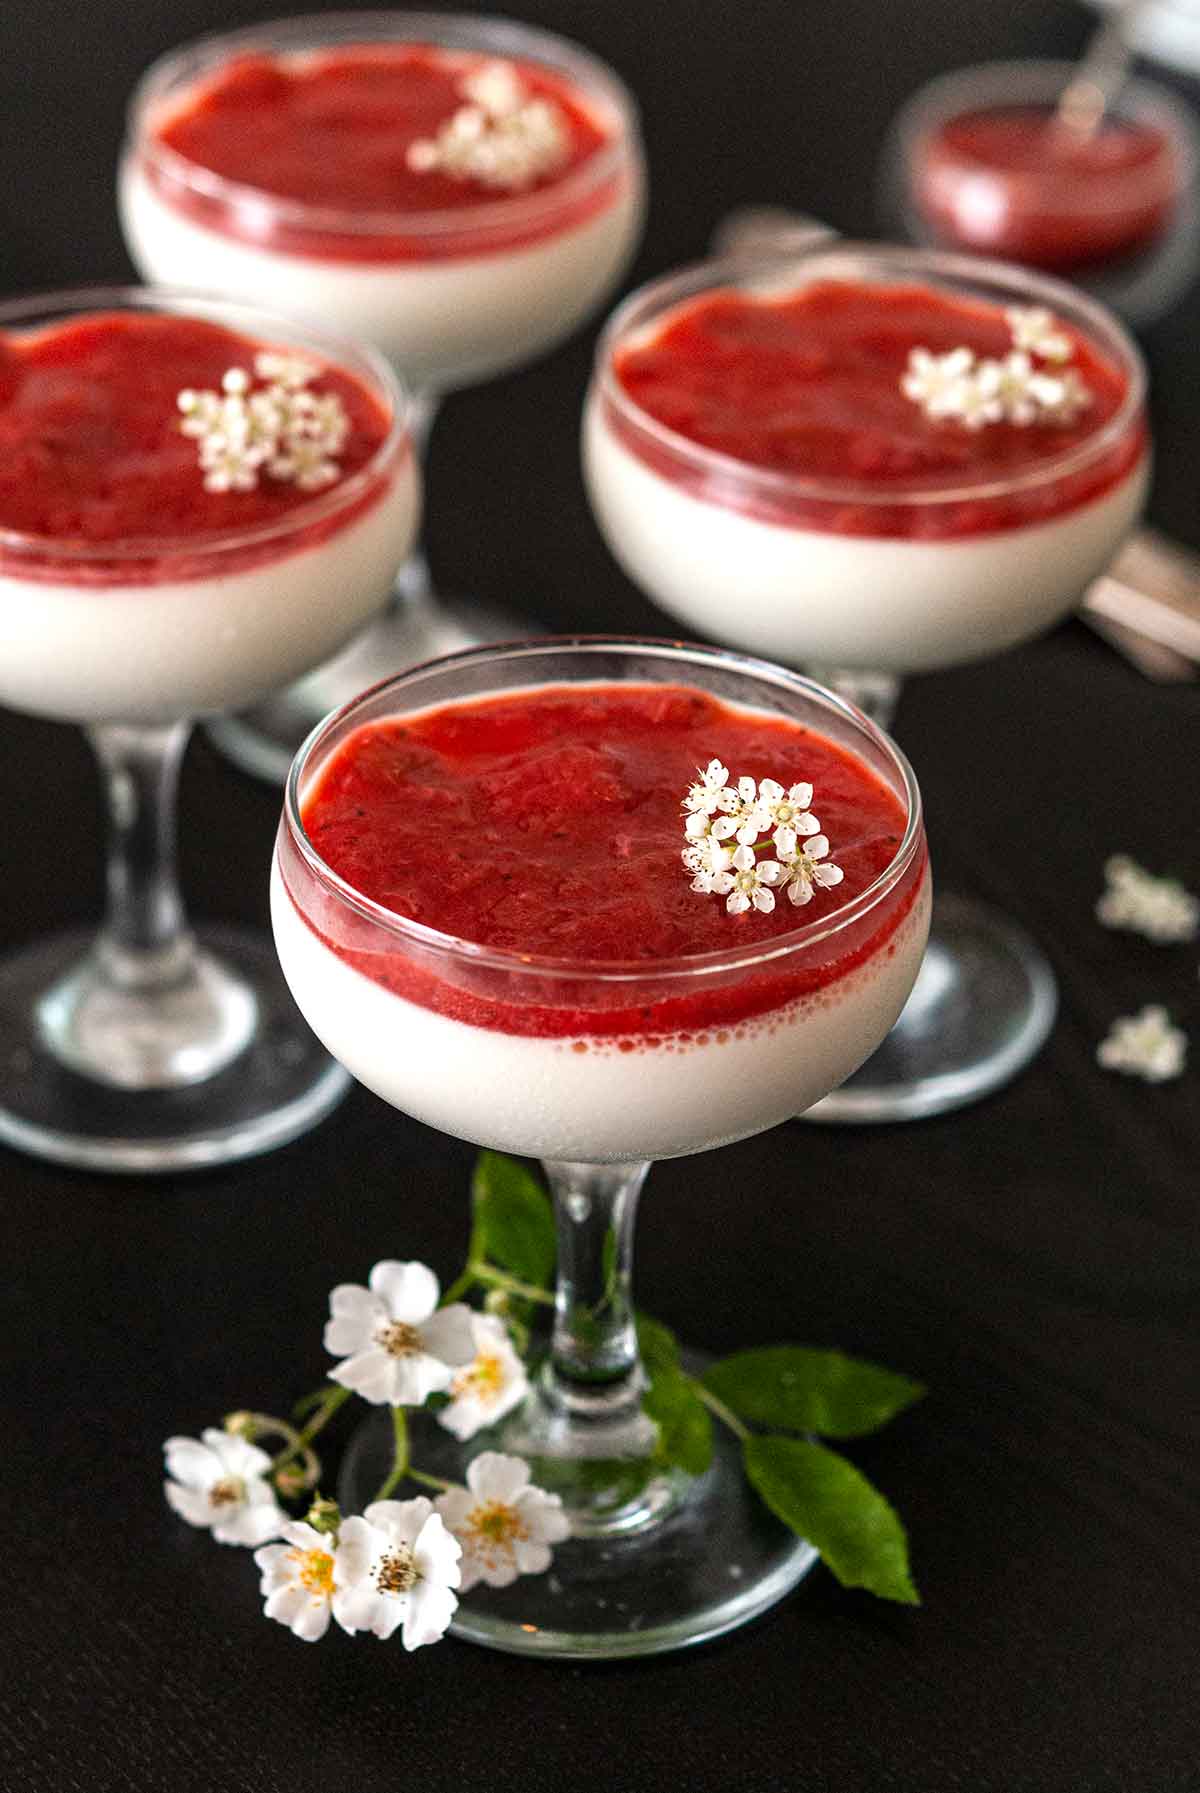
[324, 1515]
[242, 1424]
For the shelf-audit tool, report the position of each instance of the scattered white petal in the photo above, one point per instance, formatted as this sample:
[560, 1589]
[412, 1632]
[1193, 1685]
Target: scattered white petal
[1145, 1045]
[1159, 908]
[504, 1525]
[1033, 330]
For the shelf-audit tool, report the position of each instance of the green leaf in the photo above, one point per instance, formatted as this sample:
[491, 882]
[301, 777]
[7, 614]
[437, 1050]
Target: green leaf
[658, 1346]
[824, 1498]
[684, 1427]
[792, 1388]
[514, 1222]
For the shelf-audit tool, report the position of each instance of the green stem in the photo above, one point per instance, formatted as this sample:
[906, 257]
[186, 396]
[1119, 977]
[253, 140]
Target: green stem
[399, 1467]
[720, 1411]
[500, 1279]
[429, 1481]
[320, 1419]
[459, 1287]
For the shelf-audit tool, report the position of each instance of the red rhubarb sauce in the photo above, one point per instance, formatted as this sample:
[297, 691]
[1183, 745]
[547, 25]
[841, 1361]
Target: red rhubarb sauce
[1013, 182]
[807, 386]
[331, 130]
[548, 823]
[93, 462]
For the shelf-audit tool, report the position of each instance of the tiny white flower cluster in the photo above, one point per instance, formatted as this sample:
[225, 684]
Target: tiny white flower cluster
[1029, 385]
[1145, 1045]
[500, 137]
[1159, 908]
[398, 1564]
[279, 428]
[718, 812]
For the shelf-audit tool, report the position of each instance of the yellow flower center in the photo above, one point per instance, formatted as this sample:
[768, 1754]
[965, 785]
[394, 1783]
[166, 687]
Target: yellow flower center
[314, 1571]
[399, 1339]
[227, 1492]
[496, 1526]
[483, 1378]
[397, 1572]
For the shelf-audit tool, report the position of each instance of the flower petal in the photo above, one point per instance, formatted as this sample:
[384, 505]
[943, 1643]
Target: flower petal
[191, 1504]
[448, 1334]
[493, 1475]
[370, 1374]
[192, 1463]
[410, 1290]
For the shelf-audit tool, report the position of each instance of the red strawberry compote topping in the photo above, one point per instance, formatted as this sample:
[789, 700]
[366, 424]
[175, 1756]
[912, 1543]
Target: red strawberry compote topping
[807, 385]
[1013, 182]
[339, 131]
[547, 823]
[94, 464]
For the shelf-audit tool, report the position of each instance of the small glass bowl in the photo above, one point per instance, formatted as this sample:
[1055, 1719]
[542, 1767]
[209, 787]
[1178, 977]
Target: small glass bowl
[1129, 235]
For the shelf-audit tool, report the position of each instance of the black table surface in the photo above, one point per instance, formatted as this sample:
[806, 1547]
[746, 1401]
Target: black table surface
[1033, 1259]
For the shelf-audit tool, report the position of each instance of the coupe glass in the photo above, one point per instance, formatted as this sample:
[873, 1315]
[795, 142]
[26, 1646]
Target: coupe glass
[834, 575]
[655, 1559]
[443, 294]
[1030, 217]
[152, 1046]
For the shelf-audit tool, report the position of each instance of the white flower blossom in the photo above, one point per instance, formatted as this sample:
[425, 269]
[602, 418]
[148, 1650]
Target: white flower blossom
[1159, 908]
[220, 1482]
[699, 827]
[505, 1525]
[491, 1385]
[281, 429]
[298, 1580]
[396, 1565]
[803, 869]
[752, 882]
[711, 792]
[500, 137]
[1033, 330]
[1144, 1045]
[1017, 388]
[785, 814]
[399, 1346]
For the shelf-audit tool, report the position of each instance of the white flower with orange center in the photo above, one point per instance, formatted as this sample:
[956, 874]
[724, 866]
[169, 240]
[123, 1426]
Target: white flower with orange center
[396, 1565]
[398, 1346]
[220, 1483]
[809, 867]
[488, 1387]
[298, 1582]
[505, 1525]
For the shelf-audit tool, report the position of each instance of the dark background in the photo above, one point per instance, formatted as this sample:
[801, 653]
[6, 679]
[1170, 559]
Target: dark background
[1033, 1259]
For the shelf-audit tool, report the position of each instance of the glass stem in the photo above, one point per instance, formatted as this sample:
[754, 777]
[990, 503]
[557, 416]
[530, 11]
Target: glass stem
[414, 586]
[145, 1009]
[593, 1352]
[145, 939]
[875, 693]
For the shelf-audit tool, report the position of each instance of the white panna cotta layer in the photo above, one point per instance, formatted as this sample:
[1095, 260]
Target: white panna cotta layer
[883, 604]
[545, 1098]
[444, 323]
[158, 652]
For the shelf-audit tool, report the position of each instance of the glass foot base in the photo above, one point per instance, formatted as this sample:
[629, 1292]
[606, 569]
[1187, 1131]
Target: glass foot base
[281, 1084]
[982, 1006]
[713, 1559]
[263, 741]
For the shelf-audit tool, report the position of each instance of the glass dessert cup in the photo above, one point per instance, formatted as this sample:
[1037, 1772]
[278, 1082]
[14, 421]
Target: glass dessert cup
[656, 1559]
[153, 1046]
[451, 297]
[1129, 236]
[862, 584]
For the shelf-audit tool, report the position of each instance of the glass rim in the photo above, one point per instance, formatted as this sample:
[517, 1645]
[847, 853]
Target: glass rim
[45, 310]
[682, 967]
[959, 91]
[657, 296]
[195, 59]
